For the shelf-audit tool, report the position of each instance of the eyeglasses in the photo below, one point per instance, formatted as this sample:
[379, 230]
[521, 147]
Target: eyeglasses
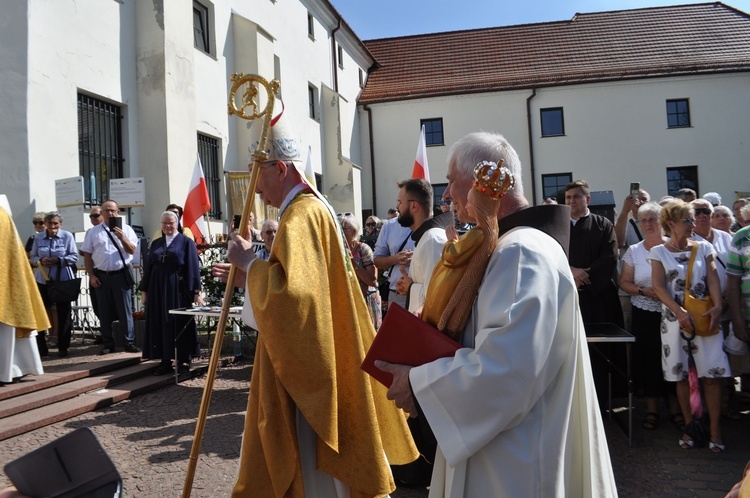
[705, 211]
[368, 224]
[94, 216]
[38, 223]
[649, 221]
[688, 221]
[339, 215]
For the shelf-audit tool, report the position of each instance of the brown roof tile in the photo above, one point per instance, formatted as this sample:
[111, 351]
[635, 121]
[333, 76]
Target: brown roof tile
[605, 46]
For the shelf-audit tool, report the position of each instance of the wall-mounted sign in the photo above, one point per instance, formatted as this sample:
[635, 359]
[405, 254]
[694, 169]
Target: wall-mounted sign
[69, 192]
[128, 192]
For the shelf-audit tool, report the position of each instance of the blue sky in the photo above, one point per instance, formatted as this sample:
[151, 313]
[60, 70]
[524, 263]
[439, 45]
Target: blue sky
[387, 18]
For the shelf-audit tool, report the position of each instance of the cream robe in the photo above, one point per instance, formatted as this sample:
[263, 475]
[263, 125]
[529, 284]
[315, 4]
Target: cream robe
[515, 413]
[423, 260]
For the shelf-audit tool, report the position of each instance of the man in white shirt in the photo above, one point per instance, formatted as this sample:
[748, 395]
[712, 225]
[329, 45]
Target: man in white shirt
[108, 254]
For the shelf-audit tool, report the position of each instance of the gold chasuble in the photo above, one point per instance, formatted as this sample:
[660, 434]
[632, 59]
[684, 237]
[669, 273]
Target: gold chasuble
[314, 332]
[21, 305]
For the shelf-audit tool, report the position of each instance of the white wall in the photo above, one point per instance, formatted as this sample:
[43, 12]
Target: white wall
[140, 56]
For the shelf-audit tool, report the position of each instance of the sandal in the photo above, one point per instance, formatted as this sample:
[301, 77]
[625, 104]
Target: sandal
[651, 421]
[687, 444]
[678, 420]
[716, 447]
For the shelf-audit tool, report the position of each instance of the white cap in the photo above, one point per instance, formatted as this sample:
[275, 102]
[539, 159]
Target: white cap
[282, 145]
[713, 198]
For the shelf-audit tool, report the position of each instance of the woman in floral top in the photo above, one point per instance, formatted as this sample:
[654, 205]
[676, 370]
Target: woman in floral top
[669, 264]
[364, 267]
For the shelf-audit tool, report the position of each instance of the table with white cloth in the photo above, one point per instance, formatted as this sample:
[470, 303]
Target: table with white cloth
[609, 333]
[209, 313]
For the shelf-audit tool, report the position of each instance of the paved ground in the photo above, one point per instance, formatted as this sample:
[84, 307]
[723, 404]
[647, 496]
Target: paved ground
[149, 439]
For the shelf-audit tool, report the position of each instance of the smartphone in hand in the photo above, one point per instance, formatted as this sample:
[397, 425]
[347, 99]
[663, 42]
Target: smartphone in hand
[236, 221]
[635, 189]
[115, 221]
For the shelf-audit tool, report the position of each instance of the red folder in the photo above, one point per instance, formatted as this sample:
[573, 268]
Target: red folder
[405, 339]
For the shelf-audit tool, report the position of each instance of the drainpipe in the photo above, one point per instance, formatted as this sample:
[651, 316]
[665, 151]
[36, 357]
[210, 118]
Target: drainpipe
[335, 57]
[531, 145]
[367, 109]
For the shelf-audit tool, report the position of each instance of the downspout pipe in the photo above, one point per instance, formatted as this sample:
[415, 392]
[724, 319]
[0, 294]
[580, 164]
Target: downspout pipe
[368, 110]
[531, 146]
[335, 57]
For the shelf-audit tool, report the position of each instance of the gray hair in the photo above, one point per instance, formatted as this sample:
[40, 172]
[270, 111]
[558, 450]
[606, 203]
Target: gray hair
[51, 215]
[171, 214]
[484, 146]
[38, 216]
[703, 203]
[649, 208]
[351, 220]
[268, 222]
[745, 212]
[723, 209]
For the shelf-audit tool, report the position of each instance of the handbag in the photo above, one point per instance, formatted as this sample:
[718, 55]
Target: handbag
[695, 306]
[61, 291]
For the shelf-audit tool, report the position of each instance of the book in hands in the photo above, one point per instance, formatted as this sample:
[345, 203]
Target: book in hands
[405, 339]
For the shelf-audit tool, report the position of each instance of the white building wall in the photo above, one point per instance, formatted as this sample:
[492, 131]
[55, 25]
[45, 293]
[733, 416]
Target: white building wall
[615, 133]
[140, 56]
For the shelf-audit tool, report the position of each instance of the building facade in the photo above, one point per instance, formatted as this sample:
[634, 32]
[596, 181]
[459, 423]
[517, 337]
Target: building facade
[657, 96]
[108, 89]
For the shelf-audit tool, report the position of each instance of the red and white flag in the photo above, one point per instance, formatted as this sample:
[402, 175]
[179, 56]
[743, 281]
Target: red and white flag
[197, 203]
[420, 163]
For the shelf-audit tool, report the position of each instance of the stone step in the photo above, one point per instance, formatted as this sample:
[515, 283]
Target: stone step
[68, 374]
[81, 389]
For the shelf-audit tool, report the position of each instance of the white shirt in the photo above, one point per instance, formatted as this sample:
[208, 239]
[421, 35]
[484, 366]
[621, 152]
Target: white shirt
[103, 253]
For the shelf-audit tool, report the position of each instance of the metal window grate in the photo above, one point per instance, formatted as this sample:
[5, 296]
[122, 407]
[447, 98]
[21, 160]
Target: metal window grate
[208, 150]
[99, 146]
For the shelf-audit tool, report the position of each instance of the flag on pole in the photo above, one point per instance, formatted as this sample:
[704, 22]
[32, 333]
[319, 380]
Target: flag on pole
[197, 203]
[309, 171]
[420, 163]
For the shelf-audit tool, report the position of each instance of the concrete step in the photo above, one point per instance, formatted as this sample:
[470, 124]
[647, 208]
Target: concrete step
[68, 374]
[57, 396]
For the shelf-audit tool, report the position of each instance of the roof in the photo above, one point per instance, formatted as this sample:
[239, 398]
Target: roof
[604, 46]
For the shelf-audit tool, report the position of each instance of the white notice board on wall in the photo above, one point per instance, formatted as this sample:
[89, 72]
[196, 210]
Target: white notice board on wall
[128, 192]
[69, 192]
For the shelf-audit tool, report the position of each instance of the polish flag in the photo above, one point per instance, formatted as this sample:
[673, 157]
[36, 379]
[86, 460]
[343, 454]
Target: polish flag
[197, 203]
[420, 163]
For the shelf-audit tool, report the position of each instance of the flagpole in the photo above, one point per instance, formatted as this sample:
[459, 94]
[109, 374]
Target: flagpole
[248, 101]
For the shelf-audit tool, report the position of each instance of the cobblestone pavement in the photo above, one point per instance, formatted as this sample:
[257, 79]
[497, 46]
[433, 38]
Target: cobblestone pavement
[149, 439]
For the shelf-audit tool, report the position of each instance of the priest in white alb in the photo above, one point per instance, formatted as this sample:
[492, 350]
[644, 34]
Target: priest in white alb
[514, 412]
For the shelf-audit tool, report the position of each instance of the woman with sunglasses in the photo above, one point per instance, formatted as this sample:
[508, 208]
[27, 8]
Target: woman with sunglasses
[364, 267]
[38, 221]
[669, 264]
[371, 231]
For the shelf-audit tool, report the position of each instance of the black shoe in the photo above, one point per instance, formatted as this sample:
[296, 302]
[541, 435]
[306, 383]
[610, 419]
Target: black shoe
[162, 369]
[62, 353]
[98, 340]
[106, 350]
[183, 368]
[132, 348]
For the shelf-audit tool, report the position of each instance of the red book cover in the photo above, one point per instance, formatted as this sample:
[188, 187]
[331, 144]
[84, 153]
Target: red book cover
[405, 339]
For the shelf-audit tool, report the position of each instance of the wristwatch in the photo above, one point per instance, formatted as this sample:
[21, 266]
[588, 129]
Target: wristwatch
[640, 291]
